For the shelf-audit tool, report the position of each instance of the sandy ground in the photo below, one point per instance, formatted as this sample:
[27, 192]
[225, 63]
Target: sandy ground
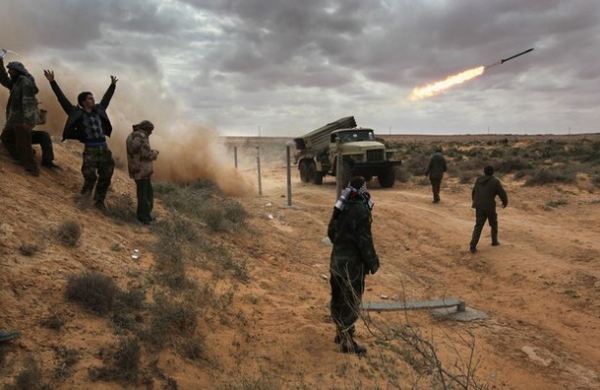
[541, 287]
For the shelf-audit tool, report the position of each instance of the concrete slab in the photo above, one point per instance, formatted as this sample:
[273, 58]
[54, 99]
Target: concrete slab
[469, 314]
[412, 305]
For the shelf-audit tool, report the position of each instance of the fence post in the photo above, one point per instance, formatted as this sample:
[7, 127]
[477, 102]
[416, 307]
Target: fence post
[289, 175]
[235, 157]
[258, 169]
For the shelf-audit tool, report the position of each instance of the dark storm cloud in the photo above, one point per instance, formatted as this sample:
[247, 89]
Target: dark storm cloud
[236, 61]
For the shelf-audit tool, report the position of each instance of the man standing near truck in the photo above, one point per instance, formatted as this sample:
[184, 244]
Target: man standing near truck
[435, 172]
[352, 258]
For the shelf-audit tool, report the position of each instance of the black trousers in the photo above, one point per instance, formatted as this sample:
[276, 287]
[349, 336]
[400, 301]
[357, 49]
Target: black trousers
[17, 139]
[346, 297]
[145, 200]
[480, 217]
[436, 184]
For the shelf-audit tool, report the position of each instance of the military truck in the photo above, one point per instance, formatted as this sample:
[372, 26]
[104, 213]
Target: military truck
[362, 153]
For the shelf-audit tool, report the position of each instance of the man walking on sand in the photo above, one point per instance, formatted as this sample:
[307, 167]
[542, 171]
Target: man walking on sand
[485, 190]
[435, 172]
[88, 123]
[353, 256]
[139, 161]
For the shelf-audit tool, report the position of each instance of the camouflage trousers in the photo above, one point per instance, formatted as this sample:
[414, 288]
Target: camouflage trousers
[97, 169]
[346, 295]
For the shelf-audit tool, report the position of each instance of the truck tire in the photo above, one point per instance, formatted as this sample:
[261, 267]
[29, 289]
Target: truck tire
[318, 178]
[311, 171]
[303, 168]
[387, 178]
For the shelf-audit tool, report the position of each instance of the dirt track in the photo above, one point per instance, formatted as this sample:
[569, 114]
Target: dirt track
[540, 287]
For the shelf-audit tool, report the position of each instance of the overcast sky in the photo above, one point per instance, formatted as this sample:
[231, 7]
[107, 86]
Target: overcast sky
[289, 66]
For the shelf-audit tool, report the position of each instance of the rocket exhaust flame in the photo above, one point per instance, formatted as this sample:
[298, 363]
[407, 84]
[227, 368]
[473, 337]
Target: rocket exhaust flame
[438, 87]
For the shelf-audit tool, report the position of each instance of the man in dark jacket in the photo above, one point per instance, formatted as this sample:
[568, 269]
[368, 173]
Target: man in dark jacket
[352, 257]
[485, 190]
[89, 124]
[435, 171]
[22, 115]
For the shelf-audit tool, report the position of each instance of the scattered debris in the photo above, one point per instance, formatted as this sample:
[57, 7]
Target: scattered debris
[324, 277]
[269, 204]
[136, 254]
[383, 296]
[270, 216]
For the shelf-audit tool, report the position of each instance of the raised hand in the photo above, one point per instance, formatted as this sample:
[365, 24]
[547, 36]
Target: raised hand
[49, 74]
[113, 79]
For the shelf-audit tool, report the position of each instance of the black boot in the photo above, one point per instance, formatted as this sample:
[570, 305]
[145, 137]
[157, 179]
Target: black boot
[347, 343]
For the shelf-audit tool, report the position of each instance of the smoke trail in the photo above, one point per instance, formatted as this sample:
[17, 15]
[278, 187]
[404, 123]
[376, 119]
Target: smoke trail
[438, 87]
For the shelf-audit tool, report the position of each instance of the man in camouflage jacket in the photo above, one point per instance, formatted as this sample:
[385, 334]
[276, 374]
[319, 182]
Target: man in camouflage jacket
[352, 257]
[139, 160]
[22, 115]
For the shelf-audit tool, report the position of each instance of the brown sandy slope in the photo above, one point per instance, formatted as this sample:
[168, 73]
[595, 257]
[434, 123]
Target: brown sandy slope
[541, 288]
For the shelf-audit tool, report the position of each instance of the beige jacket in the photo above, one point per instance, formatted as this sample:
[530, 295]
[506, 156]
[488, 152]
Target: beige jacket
[140, 155]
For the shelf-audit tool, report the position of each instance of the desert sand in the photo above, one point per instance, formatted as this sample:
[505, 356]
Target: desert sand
[540, 288]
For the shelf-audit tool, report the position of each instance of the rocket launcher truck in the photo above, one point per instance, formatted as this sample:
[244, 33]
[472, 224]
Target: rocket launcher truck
[362, 153]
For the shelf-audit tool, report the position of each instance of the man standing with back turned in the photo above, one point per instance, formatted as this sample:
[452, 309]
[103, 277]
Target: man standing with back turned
[353, 256]
[435, 171]
[484, 202]
[88, 123]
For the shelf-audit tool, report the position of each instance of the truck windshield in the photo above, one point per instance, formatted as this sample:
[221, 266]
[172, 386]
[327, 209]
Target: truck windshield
[353, 136]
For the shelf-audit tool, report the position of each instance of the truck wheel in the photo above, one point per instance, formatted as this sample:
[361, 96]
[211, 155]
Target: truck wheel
[304, 171]
[387, 178]
[311, 171]
[318, 178]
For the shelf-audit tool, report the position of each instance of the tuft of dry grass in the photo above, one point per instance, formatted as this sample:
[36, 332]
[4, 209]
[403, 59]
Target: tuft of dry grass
[69, 233]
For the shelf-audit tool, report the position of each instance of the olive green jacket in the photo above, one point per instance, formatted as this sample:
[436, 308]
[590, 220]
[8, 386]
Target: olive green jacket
[22, 105]
[484, 193]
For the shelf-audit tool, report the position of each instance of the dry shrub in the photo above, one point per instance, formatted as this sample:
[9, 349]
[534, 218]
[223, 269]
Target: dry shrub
[123, 364]
[122, 208]
[69, 232]
[125, 309]
[170, 319]
[192, 348]
[67, 358]
[548, 176]
[403, 175]
[93, 291]
[54, 322]
[30, 378]
[28, 249]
